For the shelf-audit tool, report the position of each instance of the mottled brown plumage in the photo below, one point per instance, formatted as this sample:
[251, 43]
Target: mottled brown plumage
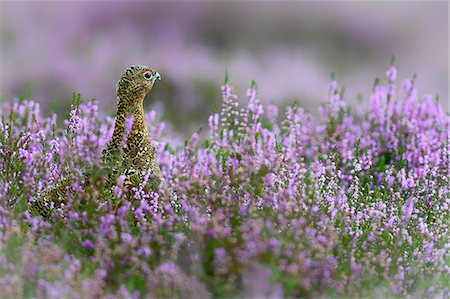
[138, 156]
[135, 158]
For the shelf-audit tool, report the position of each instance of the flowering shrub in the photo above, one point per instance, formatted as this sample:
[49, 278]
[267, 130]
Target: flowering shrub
[355, 204]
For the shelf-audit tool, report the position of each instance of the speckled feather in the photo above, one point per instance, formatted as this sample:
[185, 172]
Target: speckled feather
[135, 158]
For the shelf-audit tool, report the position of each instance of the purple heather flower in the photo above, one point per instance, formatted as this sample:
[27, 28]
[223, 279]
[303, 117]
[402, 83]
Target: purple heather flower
[391, 74]
[126, 238]
[194, 139]
[226, 232]
[88, 244]
[145, 251]
[332, 86]
[408, 209]
[118, 189]
[322, 239]
[428, 248]
[160, 128]
[75, 120]
[212, 233]
[269, 178]
[168, 268]
[214, 126]
[389, 222]
[72, 216]
[272, 113]
[356, 268]
[254, 105]
[220, 257]
[226, 90]
[274, 245]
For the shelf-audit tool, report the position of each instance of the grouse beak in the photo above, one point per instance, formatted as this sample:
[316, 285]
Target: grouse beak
[157, 76]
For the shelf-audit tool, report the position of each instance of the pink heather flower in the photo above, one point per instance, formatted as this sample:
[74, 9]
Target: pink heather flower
[332, 86]
[214, 126]
[51, 290]
[27, 216]
[307, 263]
[212, 233]
[54, 145]
[268, 181]
[391, 74]
[251, 94]
[194, 139]
[160, 128]
[226, 232]
[75, 120]
[322, 239]
[254, 105]
[356, 268]
[4, 130]
[391, 90]
[151, 116]
[409, 89]
[406, 85]
[19, 109]
[272, 113]
[169, 268]
[121, 180]
[226, 90]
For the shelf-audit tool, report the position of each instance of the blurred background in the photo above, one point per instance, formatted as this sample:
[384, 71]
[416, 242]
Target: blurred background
[289, 48]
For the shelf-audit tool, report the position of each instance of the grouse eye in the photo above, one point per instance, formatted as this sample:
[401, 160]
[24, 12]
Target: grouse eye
[148, 75]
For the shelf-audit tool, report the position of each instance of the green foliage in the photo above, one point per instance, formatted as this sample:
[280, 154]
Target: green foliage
[26, 94]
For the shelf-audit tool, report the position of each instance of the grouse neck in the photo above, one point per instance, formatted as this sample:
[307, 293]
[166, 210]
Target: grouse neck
[123, 109]
[139, 118]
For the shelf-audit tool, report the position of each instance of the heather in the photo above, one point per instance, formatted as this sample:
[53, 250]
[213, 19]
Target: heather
[265, 202]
